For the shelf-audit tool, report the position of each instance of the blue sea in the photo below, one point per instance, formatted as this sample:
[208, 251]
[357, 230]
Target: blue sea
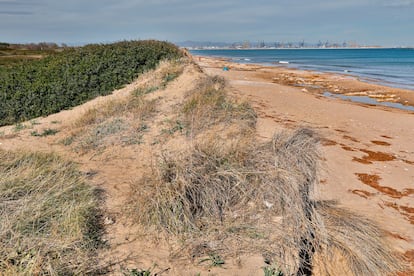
[392, 67]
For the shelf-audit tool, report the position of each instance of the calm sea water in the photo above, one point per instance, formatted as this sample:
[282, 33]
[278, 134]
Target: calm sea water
[391, 67]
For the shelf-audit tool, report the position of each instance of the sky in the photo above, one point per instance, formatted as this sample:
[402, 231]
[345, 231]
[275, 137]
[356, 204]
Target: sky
[368, 22]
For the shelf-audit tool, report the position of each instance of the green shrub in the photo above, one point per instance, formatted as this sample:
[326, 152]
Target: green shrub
[74, 76]
[46, 132]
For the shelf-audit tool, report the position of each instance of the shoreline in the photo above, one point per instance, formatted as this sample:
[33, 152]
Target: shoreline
[319, 83]
[301, 48]
[377, 66]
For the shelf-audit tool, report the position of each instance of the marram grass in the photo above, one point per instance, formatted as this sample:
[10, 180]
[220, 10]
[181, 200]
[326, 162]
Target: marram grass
[49, 220]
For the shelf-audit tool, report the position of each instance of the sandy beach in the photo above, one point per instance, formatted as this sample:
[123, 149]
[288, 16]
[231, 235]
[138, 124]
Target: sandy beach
[368, 151]
[367, 155]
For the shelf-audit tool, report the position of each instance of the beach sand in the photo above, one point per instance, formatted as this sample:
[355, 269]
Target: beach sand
[367, 155]
[368, 151]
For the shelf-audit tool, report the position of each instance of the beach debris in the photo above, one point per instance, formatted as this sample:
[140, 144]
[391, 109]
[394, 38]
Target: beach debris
[268, 204]
[109, 221]
[225, 68]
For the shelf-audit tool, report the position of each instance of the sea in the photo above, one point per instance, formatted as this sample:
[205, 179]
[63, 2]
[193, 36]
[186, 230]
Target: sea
[392, 67]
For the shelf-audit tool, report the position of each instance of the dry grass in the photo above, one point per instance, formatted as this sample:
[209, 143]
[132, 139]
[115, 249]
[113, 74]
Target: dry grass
[357, 240]
[188, 188]
[49, 220]
[257, 198]
[116, 122]
[166, 72]
[136, 107]
[122, 121]
[228, 194]
[208, 105]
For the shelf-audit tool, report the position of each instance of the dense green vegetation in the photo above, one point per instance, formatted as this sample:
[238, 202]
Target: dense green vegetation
[74, 76]
[12, 54]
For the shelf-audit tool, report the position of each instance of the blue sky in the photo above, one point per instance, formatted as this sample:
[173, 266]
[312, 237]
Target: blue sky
[382, 22]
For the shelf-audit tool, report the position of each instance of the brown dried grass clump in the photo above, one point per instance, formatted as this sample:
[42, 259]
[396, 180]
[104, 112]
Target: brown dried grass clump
[133, 106]
[358, 240]
[190, 190]
[259, 197]
[115, 122]
[208, 104]
[49, 216]
[167, 71]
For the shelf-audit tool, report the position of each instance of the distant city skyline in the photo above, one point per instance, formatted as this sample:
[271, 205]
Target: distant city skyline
[246, 44]
[386, 23]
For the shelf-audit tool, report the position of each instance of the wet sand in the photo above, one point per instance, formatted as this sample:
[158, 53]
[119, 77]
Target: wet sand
[320, 83]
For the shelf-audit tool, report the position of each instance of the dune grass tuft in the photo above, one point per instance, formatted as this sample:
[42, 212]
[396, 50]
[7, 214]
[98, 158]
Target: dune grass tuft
[260, 195]
[208, 104]
[189, 188]
[358, 240]
[167, 71]
[49, 216]
[135, 106]
[115, 122]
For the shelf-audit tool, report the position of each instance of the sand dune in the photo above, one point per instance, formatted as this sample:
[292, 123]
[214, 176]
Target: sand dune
[368, 153]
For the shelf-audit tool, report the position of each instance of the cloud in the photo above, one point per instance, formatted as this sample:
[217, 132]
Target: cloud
[24, 6]
[17, 7]
[16, 12]
[226, 20]
[398, 3]
[15, 3]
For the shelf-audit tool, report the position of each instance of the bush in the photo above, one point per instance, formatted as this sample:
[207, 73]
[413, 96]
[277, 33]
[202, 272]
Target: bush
[74, 76]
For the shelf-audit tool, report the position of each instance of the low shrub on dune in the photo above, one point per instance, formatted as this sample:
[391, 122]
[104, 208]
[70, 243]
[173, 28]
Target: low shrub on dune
[74, 76]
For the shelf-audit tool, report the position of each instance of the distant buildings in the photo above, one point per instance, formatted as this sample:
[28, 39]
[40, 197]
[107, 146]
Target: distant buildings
[246, 44]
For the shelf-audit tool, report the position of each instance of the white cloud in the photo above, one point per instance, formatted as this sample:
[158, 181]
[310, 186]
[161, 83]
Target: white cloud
[226, 20]
[397, 3]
